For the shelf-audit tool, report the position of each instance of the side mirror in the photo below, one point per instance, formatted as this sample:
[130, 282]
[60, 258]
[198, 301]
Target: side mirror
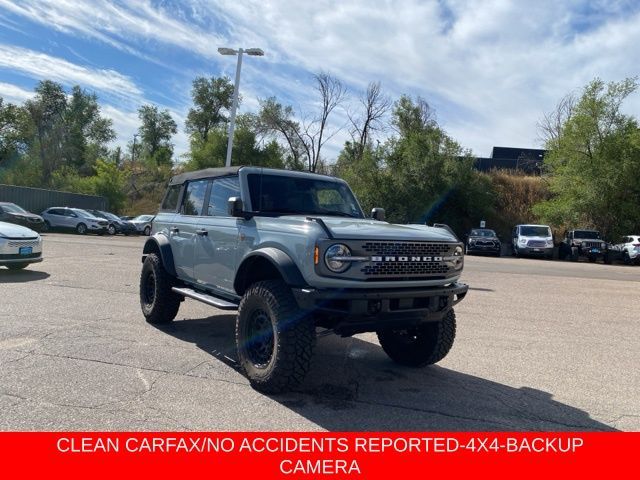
[235, 207]
[377, 214]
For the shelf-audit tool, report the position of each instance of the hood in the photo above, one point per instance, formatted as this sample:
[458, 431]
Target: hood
[366, 229]
[483, 237]
[32, 216]
[11, 230]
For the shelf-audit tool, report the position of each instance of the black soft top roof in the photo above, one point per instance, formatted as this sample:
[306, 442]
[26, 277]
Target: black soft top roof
[206, 173]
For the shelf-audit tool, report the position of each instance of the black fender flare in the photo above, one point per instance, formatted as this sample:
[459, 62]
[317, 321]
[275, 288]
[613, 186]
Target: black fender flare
[161, 244]
[282, 262]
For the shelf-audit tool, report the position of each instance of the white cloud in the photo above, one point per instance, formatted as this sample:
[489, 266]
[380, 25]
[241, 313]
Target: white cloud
[40, 65]
[491, 68]
[14, 94]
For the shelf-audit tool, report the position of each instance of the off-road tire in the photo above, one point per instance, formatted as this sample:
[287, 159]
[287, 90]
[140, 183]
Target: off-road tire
[81, 229]
[17, 266]
[159, 303]
[419, 346]
[288, 331]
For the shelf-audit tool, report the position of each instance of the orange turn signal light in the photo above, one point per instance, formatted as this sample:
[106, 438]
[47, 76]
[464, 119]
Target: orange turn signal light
[316, 255]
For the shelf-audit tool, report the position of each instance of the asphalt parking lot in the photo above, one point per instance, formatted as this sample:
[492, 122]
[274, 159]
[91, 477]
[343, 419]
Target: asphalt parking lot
[541, 345]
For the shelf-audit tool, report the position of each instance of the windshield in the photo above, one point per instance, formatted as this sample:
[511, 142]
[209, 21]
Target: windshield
[110, 216]
[535, 231]
[482, 233]
[585, 234]
[143, 218]
[281, 195]
[13, 208]
[83, 213]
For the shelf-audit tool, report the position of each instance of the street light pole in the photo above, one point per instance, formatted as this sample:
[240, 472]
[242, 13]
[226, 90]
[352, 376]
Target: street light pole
[229, 51]
[133, 152]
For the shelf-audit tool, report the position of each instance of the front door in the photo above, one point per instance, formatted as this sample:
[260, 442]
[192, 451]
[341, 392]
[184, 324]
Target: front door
[182, 229]
[217, 241]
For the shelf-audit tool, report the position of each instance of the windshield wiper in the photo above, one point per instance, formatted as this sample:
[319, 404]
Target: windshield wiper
[337, 213]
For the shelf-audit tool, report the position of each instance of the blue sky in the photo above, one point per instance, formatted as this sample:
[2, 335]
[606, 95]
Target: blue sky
[489, 68]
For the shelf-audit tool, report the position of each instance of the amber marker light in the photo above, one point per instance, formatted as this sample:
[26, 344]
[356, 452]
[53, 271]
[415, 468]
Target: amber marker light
[316, 255]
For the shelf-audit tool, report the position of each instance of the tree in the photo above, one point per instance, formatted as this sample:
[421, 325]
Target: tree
[211, 98]
[14, 131]
[304, 140]
[277, 121]
[155, 133]
[47, 110]
[376, 106]
[593, 158]
[86, 131]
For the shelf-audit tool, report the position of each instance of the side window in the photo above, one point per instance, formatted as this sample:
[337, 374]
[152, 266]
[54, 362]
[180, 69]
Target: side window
[194, 197]
[221, 190]
[170, 202]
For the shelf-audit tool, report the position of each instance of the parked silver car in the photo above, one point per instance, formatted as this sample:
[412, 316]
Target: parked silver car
[73, 219]
[19, 246]
[143, 224]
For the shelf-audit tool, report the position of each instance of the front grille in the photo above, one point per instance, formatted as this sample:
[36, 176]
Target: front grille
[407, 248]
[405, 260]
[591, 244]
[19, 243]
[404, 268]
[485, 243]
[536, 243]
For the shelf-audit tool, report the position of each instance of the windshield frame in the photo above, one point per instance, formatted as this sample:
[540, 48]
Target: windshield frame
[595, 236]
[347, 197]
[488, 233]
[547, 234]
[13, 208]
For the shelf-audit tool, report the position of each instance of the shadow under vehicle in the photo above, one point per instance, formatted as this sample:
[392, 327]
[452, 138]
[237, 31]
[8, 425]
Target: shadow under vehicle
[353, 386]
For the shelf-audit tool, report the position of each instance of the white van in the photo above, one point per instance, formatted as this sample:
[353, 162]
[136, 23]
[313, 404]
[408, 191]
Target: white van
[532, 240]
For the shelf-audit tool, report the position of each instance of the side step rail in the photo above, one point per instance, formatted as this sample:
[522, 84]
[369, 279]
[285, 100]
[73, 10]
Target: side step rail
[204, 298]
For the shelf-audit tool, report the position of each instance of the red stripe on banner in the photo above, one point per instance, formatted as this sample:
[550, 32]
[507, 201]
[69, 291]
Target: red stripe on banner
[99, 455]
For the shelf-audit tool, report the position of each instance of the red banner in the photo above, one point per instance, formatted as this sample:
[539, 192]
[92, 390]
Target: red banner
[99, 455]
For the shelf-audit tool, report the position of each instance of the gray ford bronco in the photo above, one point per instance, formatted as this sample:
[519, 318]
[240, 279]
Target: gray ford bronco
[292, 252]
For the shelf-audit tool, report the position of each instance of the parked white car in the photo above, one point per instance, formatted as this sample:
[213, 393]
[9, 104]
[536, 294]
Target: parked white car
[19, 246]
[629, 249]
[532, 240]
[73, 219]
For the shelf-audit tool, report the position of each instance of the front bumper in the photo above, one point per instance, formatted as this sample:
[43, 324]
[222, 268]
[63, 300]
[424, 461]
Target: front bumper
[350, 311]
[483, 248]
[546, 251]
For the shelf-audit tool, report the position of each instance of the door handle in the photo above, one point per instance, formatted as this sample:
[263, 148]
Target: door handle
[174, 230]
[202, 232]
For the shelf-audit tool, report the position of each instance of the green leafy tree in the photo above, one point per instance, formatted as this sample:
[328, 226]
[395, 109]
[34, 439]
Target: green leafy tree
[593, 158]
[155, 133]
[15, 132]
[212, 98]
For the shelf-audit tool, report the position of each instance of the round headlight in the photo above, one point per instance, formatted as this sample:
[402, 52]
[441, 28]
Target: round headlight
[337, 250]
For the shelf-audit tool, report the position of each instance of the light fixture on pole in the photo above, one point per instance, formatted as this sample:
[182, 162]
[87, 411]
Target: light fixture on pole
[256, 52]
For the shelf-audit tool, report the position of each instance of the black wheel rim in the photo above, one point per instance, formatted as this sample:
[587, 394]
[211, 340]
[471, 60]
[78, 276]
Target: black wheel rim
[260, 338]
[149, 289]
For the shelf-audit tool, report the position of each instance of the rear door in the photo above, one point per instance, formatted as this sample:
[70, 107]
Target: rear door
[56, 217]
[182, 228]
[217, 241]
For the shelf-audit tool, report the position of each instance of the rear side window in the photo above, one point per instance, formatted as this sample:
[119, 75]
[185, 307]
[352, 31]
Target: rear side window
[194, 197]
[170, 202]
[221, 190]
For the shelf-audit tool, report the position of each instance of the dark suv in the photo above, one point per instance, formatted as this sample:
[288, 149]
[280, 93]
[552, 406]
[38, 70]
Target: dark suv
[292, 252]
